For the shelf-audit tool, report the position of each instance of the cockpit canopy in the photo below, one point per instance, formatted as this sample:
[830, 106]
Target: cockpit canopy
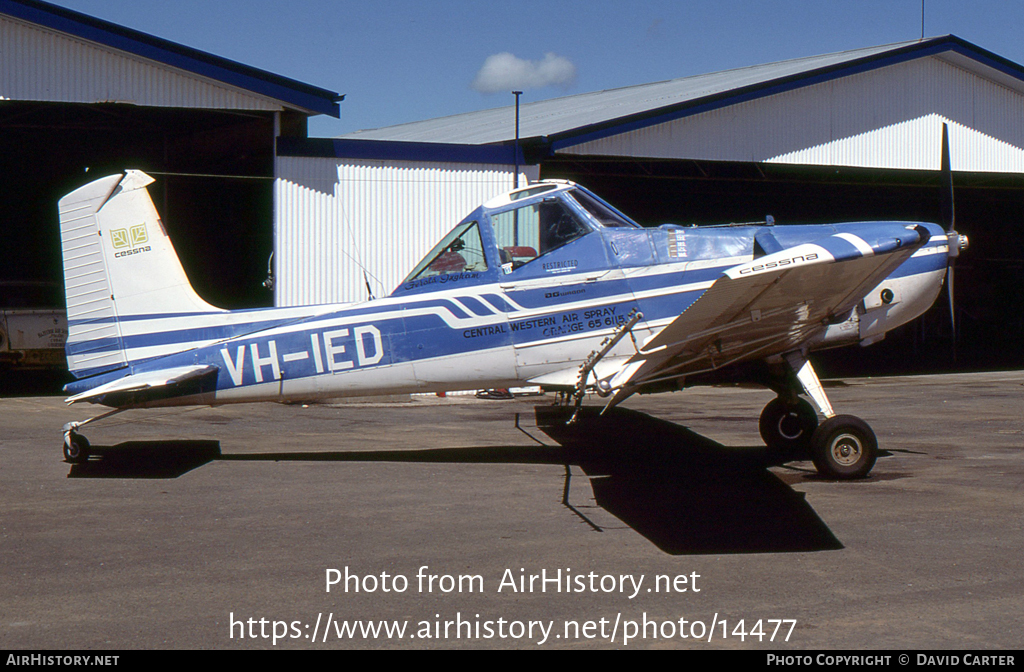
[514, 229]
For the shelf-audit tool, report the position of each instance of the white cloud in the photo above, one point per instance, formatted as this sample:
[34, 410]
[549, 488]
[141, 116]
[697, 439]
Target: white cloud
[505, 72]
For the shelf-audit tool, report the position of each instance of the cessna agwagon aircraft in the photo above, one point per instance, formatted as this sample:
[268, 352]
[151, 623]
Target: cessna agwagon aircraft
[546, 285]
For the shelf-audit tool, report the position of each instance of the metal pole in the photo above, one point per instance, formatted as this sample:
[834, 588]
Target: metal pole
[515, 182]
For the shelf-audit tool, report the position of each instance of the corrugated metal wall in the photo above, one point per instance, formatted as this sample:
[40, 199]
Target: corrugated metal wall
[335, 217]
[41, 65]
[885, 118]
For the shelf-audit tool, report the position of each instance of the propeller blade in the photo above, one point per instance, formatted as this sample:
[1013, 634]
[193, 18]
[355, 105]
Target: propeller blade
[948, 210]
[952, 307]
[949, 290]
[956, 242]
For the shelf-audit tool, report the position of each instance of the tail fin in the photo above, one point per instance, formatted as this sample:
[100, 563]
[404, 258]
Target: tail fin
[119, 265]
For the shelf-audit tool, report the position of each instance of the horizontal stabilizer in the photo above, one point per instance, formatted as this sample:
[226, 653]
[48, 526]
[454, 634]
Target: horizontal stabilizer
[140, 388]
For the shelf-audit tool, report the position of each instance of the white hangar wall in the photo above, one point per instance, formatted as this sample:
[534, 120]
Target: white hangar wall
[38, 64]
[889, 117]
[336, 217]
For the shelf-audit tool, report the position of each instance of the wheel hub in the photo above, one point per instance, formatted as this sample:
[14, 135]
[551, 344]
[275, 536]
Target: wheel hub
[789, 426]
[846, 449]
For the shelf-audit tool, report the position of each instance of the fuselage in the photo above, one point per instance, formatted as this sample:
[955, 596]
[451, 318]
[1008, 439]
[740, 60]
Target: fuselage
[500, 305]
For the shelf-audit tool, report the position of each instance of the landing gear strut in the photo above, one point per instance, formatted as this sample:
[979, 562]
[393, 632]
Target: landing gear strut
[76, 446]
[842, 446]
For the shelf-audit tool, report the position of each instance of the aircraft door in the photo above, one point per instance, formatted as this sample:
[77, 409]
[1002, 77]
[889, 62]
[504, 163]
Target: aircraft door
[450, 331]
[559, 283]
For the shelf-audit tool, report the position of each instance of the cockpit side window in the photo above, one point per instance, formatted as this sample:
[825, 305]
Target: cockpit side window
[534, 230]
[461, 251]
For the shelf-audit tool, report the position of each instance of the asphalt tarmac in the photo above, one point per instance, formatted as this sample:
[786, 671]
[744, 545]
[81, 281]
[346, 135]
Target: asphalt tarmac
[440, 523]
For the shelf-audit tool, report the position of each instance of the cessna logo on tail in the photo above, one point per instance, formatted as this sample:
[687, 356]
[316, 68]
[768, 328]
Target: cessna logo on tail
[134, 238]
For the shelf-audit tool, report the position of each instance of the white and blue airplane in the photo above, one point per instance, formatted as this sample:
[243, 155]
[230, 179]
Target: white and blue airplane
[538, 286]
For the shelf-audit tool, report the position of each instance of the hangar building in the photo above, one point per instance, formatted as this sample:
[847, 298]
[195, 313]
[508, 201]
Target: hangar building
[82, 98]
[853, 135]
[839, 137]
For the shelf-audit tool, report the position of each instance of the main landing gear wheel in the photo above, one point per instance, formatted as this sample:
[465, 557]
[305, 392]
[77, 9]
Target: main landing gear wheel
[787, 427]
[76, 448]
[844, 447]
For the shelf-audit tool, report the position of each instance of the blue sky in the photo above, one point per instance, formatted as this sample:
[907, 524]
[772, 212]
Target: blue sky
[398, 61]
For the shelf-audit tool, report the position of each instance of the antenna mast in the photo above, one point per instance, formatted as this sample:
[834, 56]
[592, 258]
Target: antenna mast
[515, 179]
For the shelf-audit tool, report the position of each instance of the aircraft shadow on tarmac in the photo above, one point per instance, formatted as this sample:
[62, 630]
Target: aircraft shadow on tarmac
[684, 492]
[146, 459]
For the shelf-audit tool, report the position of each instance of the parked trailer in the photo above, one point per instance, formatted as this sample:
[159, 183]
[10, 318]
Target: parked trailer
[33, 338]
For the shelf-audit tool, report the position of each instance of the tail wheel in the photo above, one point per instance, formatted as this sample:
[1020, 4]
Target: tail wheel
[844, 447]
[787, 427]
[76, 448]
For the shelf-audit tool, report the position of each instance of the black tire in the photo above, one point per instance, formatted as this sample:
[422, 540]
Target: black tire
[844, 447]
[787, 428]
[76, 448]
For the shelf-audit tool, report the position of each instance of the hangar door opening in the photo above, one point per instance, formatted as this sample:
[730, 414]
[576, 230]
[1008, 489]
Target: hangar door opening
[989, 275]
[213, 189]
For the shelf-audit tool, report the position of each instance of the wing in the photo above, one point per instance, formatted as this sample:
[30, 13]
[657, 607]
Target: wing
[138, 389]
[771, 305]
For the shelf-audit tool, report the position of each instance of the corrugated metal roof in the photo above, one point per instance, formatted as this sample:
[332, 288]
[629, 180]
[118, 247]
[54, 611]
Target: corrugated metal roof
[291, 93]
[580, 118]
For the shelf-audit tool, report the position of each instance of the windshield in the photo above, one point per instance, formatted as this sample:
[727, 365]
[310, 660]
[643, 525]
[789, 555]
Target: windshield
[601, 211]
[461, 251]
